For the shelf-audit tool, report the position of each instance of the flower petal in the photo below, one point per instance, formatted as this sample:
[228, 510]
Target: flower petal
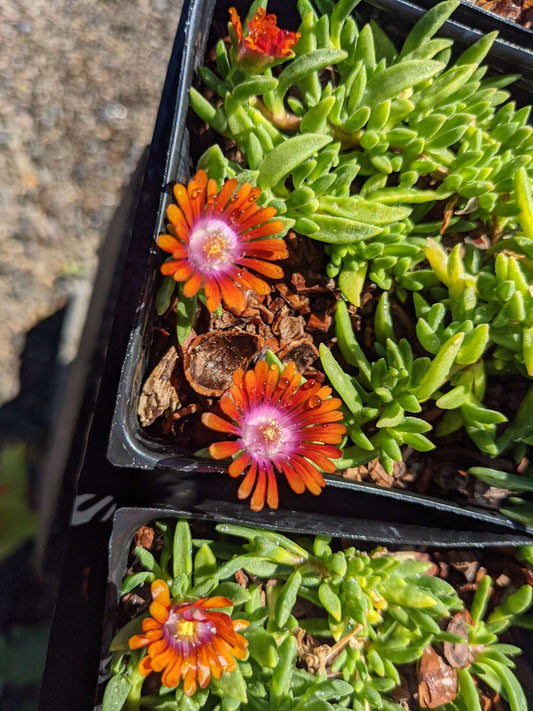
[138, 641]
[212, 294]
[159, 651]
[182, 271]
[203, 671]
[295, 481]
[150, 624]
[272, 497]
[250, 281]
[172, 674]
[192, 286]
[177, 219]
[159, 612]
[248, 482]
[227, 190]
[236, 22]
[189, 682]
[232, 295]
[328, 450]
[223, 450]
[196, 190]
[255, 216]
[274, 271]
[209, 419]
[257, 501]
[228, 407]
[145, 666]
[168, 243]
[266, 249]
[182, 198]
[237, 467]
[160, 592]
[216, 601]
[269, 228]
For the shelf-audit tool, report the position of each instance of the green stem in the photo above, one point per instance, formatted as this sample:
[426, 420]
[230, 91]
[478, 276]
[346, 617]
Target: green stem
[284, 120]
[133, 702]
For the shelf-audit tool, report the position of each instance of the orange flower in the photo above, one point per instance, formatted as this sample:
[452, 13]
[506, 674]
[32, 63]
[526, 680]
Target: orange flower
[189, 641]
[265, 41]
[280, 423]
[217, 237]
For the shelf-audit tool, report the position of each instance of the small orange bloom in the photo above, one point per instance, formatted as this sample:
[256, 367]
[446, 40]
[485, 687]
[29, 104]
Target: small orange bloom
[280, 423]
[189, 641]
[265, 41]
[217, 237]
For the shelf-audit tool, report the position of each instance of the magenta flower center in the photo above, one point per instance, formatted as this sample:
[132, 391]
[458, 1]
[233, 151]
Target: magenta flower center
[188, 628]
[213, 245]
[268, 431]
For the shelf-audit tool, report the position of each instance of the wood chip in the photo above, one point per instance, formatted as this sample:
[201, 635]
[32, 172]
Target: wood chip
[295, 301]
[448, 213]
[437, 681]
[241, 578]
[303, 352]
[287, 328]
[490, 497]
[159, 394]
[378, 474]
[213, 357]
[504, 8]
[319, 322]
[465, 562]
[459, 655]
[145, 537]
[353, 473]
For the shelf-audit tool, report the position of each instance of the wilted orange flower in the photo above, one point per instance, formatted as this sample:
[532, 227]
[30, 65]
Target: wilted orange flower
[217, 237]
[189, 641]
[280, 423]
[265, 41]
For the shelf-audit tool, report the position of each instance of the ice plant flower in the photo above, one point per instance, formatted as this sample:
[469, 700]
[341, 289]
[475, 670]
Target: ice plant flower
[188, 640]
[281, 424]
[265, 41]
[217, 237]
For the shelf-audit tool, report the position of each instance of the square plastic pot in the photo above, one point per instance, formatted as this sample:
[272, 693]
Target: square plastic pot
[128, 520]
[129, 445]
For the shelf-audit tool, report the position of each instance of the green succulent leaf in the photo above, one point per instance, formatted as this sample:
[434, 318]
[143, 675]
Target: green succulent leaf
[307, 64]
[116, 693]
[440, 368]
[262, 647]
[288, 155]
[399, 77]
[369, 211]
[502, 480]
[232, 685]
[339, 230]
[428, 25]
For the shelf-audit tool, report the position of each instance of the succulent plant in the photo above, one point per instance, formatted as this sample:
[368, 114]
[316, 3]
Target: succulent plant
[315, 627]
[383, 131]
[489, 660]
[382, 392]
[494, 298]
[413, 169]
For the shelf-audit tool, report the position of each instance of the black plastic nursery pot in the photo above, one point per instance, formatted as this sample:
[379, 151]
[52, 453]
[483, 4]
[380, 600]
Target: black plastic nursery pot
[131, 446]
[128, 521]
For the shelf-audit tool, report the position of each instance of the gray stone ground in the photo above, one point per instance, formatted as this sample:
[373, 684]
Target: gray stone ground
[80, 82]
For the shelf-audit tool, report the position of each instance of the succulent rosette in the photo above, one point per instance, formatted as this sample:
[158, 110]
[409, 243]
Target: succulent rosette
[307, 618]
